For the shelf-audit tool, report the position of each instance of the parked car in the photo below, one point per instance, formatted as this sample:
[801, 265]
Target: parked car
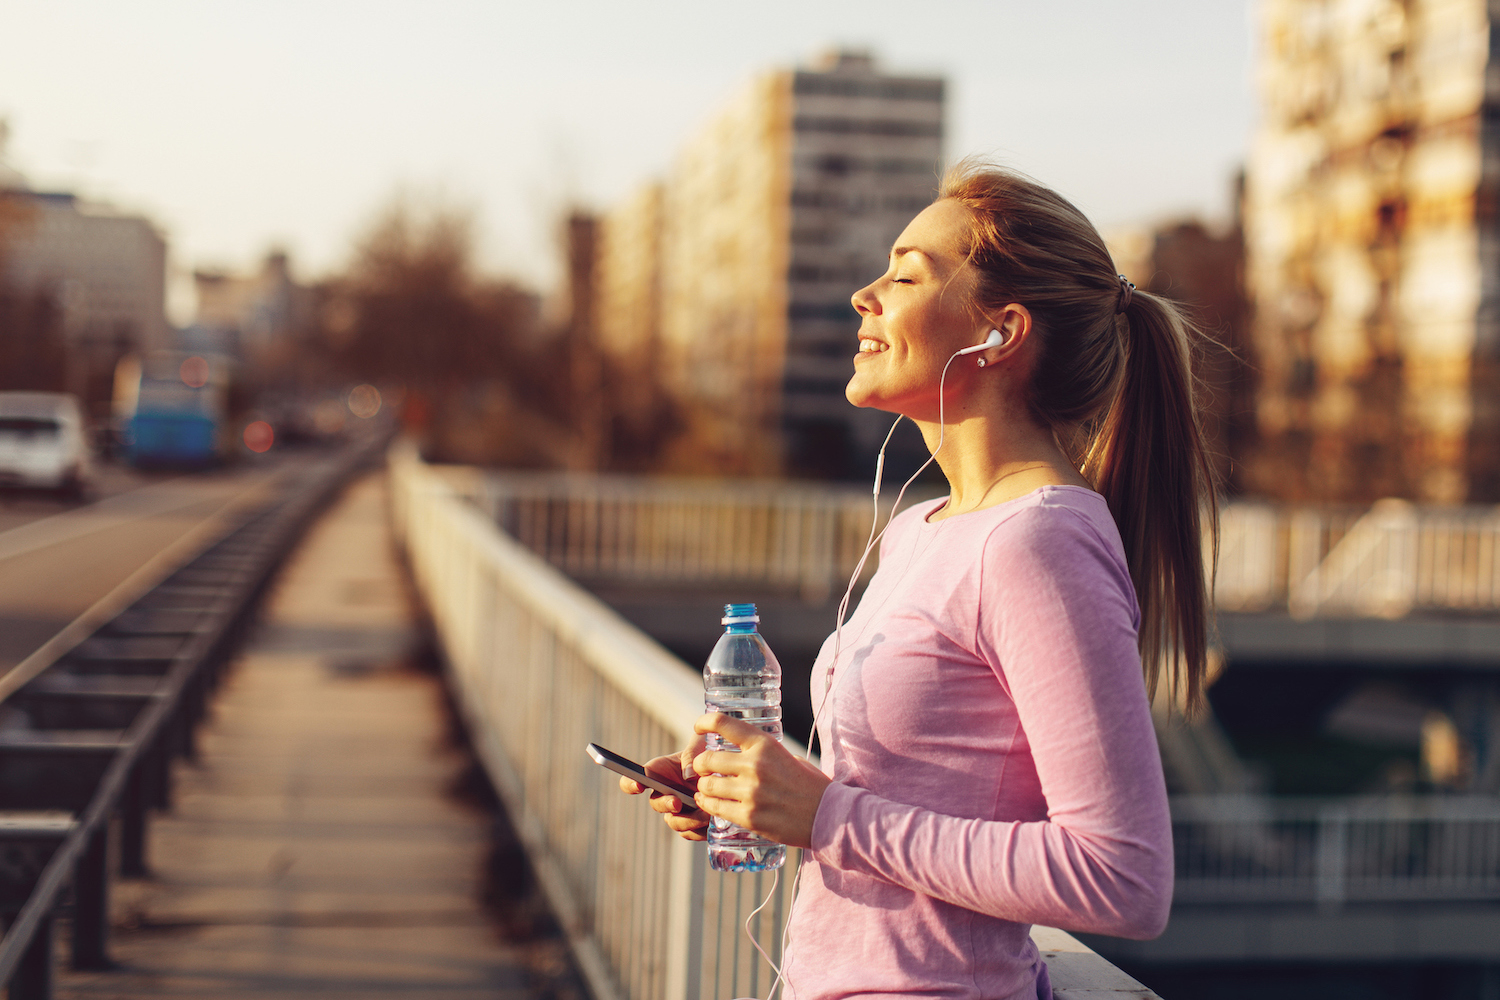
[43, 442]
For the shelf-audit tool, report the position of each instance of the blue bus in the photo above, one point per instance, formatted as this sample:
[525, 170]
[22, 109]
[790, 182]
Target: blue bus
[173, 408]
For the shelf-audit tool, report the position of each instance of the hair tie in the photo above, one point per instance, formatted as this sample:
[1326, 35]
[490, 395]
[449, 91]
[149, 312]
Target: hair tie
[1127, 289]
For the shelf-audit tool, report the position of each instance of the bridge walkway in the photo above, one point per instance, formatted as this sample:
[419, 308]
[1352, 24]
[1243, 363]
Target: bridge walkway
[316, 847]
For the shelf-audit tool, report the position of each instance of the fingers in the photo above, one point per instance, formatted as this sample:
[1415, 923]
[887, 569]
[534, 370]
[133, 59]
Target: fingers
[680, 819]
[741, 734]
[685, 821]
[685, 758]
[669, 766]
[752, 741]
[729, 797]
[765, 788]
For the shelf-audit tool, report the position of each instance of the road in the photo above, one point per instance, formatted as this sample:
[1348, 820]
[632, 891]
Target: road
[57, 559]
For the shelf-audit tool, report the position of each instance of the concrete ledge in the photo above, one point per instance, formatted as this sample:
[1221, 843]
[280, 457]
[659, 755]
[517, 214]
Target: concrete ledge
[1080, 973]
[1354, 933]
[1270, 639]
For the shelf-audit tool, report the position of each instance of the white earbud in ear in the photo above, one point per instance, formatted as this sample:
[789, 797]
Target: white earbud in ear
[995, 339]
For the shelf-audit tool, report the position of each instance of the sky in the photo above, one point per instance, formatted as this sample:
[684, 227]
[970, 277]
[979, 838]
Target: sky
[241, 126]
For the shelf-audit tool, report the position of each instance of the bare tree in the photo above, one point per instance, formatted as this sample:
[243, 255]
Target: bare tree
[413, 310]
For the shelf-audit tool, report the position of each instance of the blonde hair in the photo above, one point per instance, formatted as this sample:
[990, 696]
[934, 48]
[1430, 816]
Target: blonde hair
[1114, 381]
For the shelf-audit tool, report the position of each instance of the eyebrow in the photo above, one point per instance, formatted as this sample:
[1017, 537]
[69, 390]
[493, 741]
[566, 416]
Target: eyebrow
[898, 251]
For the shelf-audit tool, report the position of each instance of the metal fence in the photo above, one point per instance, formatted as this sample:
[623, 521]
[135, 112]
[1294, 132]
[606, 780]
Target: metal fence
[540, 668]
[100, 711]
[1245, 849]
[1384, 561]
[676, 531]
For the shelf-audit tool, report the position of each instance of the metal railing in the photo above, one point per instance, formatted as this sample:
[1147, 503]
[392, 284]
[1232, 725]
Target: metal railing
[1386, 561]
[540, 668]
[96, 716]
[1248, 849]
[1383, 561]
[675, 531]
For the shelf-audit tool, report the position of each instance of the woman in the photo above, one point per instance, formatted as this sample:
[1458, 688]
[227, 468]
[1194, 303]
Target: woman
[989, 760]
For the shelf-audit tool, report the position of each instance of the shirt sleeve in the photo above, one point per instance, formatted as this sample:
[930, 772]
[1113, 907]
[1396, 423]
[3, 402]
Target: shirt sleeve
[1057, 623]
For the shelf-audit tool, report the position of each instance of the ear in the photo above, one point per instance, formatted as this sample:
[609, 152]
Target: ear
[1015, 324]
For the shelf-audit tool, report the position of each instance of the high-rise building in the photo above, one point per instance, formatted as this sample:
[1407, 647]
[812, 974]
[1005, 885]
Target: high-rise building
[107, 269]
[627, 319]
[1373, 251]
[99, 277]
[785, 204]
[1201, 267]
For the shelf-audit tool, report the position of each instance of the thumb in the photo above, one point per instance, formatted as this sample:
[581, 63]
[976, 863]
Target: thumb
[685, 758]
[741, 734]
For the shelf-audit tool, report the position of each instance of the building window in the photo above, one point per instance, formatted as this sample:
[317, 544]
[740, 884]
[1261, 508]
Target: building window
[867, 126]
[893, 90]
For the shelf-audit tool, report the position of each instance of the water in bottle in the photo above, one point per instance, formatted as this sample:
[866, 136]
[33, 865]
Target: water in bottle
[743, 680]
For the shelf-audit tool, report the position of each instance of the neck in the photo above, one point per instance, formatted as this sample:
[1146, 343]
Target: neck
[995, 456]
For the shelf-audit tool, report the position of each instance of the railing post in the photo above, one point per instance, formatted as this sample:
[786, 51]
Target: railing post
[133, 825]
[157, 763]
[91, 903]
[687, 875]
[1333, 858]
[1304, 560]
[33, 978]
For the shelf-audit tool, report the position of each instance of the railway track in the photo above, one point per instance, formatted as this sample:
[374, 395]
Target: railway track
[90, 723]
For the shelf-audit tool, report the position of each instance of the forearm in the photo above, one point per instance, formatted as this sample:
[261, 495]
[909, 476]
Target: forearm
[1117, 882]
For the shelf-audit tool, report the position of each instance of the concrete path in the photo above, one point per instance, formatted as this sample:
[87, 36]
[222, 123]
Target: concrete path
[316, 848]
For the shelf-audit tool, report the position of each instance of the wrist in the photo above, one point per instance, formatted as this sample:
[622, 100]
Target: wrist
[817, 790]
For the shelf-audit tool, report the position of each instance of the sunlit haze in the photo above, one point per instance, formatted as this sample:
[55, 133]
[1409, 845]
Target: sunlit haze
[239, 126]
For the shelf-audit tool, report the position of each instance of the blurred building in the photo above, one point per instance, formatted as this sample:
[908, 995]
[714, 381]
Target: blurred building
[1201, 268]
[585, 366]
[1373, 251]
[627, 293]
[103, 271]
[107, 268]
[731, 281]
[254, 316]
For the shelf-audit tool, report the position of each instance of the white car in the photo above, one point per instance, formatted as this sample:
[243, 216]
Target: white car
[43, 444]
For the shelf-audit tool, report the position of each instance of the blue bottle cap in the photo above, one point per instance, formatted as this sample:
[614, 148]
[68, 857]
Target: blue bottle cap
[738, 614]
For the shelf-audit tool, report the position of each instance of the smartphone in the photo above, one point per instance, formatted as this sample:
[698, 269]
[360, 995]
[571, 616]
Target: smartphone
[635, 772]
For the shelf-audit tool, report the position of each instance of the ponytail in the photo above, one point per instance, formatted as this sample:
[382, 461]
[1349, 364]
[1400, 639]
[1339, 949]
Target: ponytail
[1113, 378]
[1147, 457]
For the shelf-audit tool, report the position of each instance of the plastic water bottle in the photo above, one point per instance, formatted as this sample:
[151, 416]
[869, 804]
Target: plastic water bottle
[743, 680]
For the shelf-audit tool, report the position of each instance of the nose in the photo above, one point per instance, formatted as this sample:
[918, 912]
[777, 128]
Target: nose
[865, 301]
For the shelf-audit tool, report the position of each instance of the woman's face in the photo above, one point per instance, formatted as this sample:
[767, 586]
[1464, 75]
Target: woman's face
[913, 317]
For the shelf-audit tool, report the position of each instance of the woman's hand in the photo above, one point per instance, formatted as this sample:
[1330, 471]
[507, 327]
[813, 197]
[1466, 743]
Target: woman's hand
[765, 787]
[690, 824]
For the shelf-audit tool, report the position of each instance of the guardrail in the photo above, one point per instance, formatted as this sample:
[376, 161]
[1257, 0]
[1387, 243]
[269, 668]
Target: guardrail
[1249, 849]
[96, 716]
[1386, 561]
[1383, 561]
[539, 668]
[788, 536]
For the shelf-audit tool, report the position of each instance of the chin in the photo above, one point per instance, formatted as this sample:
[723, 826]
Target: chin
[865, 402]
[866, 393]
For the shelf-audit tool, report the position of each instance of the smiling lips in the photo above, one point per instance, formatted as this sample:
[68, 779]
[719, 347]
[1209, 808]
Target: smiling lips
[867, 346]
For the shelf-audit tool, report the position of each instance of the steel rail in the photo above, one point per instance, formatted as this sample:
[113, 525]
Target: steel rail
[273, 529]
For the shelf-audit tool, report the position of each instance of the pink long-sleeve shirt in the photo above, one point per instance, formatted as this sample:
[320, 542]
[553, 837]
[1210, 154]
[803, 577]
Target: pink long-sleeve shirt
[993, 758]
